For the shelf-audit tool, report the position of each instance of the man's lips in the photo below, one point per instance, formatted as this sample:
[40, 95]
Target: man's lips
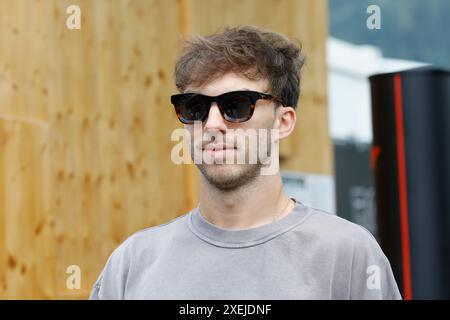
[218, 147]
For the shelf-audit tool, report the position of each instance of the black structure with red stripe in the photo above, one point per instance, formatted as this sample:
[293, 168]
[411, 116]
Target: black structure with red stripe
[411, 164]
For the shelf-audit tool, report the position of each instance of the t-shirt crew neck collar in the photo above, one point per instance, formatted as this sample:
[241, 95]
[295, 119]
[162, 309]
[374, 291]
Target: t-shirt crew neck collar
[247, 237]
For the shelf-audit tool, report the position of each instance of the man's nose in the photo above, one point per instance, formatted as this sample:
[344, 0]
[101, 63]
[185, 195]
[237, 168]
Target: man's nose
[215, 119]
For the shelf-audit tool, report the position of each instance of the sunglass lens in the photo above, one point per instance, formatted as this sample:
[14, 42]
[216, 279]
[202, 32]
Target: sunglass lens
[193, 109]
[237, 108]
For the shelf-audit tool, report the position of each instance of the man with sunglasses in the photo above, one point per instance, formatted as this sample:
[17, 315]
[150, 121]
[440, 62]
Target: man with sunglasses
[246, 238]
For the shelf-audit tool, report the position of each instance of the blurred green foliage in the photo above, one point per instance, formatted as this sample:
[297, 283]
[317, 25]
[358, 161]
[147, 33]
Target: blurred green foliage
[410, 29]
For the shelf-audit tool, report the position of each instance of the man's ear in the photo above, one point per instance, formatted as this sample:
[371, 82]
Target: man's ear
[285, 118]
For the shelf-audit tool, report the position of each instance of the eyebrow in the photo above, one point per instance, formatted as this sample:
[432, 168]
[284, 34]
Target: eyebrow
[243, 89]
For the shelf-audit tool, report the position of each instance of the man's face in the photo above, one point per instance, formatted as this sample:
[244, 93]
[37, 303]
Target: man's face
[221, 140]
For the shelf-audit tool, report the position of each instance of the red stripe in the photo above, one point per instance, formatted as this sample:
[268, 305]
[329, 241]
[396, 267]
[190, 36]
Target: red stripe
[374, 154]
[402, 188]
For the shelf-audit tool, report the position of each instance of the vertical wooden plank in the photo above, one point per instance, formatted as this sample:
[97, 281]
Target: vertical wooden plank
[26, 229]
[309, 149]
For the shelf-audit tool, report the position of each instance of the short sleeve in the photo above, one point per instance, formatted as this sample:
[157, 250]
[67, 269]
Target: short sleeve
[96, 288]
[111, 282]
[372, 277]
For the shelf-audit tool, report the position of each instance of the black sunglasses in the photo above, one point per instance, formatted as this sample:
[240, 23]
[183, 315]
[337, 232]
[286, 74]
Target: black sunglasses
[234, 106]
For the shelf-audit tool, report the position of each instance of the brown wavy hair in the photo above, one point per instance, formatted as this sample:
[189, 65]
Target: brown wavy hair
[247, 50]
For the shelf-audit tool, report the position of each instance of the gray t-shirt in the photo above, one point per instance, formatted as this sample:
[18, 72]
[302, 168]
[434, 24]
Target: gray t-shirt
[307, 254]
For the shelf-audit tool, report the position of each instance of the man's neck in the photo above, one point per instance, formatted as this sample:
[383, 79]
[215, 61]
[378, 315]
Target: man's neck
[261, 202]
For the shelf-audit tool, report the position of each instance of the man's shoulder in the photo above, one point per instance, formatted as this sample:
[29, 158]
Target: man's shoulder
[333, 229]
[356, 246]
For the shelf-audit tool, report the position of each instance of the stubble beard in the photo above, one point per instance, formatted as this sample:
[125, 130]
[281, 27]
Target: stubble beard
[233, 177]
